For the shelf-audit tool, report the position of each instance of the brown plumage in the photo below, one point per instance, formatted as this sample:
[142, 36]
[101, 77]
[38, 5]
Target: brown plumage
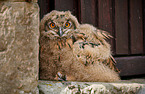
[73, 51]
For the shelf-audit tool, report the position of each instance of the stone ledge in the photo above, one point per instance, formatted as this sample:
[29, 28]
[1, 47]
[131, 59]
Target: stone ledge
[122, 87]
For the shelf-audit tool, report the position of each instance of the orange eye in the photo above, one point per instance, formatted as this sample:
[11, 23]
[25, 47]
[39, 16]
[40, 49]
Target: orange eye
[52, 25]
[67, 24]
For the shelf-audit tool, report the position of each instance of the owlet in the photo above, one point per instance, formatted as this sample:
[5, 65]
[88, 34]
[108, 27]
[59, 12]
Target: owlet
[74, 52]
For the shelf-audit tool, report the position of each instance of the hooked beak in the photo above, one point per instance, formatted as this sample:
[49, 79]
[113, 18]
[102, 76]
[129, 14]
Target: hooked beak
[60, 32]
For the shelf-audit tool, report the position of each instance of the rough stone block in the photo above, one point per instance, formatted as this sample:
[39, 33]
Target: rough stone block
[54, 87]
[20, 0]
[19, 47]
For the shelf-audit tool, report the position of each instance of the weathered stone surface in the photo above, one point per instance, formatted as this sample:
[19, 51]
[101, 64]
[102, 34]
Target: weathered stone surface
[19, 47]
[20, 0]
[123, 87]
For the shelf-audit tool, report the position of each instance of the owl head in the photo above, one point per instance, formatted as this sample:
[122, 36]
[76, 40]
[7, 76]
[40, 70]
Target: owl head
[58, 25]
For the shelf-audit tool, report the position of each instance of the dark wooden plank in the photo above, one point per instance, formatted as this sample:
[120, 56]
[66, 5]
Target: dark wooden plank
[105, 14]
[144, 24]
[105, 18]
[45, 7]
[89, 11]
[136, 28]
[64, 5]
[130, 66]
[121, 26]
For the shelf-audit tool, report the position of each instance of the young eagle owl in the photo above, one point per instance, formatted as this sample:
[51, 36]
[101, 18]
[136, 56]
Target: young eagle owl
[73, 51]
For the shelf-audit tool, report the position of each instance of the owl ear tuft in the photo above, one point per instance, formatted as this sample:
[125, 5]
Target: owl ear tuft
[74, 19]
[53, 12]
[68, 12]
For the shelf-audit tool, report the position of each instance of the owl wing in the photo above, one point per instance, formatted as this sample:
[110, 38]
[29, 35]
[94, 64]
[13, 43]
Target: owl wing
[94, 48]
[111, 63]
[102, 34]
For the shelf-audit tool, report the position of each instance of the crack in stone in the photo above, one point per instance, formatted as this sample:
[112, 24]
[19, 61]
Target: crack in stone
[3, 49]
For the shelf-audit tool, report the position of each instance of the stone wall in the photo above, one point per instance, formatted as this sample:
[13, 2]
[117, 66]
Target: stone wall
[19, 46]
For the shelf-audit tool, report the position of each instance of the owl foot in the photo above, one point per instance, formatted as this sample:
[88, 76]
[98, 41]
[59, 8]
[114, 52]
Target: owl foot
[60, 77]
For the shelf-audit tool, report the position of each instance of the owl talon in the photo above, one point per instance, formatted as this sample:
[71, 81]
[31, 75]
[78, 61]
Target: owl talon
[60, 77]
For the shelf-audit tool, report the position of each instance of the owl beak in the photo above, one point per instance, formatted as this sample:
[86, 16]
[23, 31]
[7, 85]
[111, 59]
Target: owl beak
[60, 32]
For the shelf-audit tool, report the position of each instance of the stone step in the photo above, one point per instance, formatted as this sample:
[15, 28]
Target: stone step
[136, 86]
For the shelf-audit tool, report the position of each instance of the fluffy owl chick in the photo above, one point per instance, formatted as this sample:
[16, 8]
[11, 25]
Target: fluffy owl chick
[73, 51]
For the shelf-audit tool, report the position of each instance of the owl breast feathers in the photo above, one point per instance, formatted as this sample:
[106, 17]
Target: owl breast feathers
[74, 52]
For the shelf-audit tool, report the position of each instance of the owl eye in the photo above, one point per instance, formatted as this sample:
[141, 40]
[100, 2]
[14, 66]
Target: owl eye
[52, 25]
[67, 24]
